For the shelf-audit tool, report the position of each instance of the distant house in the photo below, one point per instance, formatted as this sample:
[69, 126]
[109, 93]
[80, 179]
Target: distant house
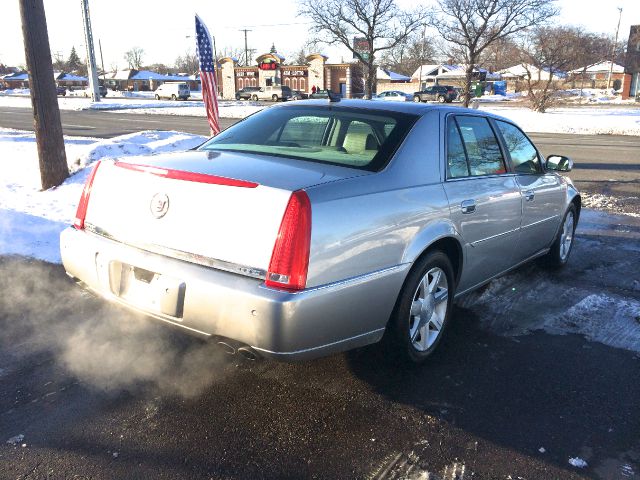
[16, 80]
[597, 75]
[146, 80]
[516, 76]
[445, 74]
[62, 79]
[389, 80]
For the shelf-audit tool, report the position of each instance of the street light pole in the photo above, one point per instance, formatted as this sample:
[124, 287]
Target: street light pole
[613, 49]
[94, 86]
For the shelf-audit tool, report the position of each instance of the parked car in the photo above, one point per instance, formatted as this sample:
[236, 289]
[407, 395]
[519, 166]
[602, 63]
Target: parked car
[173, 91]
[298, 95]
[61, 91]
[315, 227]
[87, 92]
[319, 94]
[439, 93]
[393, 95]
[245, 93]
[273, 93]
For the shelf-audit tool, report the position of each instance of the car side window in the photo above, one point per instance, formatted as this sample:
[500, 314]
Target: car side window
[524, 155]
[457, 166]
[483, 150]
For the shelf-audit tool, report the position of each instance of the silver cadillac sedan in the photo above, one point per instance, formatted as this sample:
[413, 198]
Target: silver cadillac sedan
[317, 227]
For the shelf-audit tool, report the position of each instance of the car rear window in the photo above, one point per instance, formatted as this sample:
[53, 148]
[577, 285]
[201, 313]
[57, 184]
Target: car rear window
[352, 137]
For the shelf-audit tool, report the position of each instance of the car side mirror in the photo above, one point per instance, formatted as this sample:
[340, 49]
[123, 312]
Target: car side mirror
[559, 163]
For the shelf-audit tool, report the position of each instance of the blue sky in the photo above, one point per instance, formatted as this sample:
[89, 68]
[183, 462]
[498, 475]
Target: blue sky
[162, 28]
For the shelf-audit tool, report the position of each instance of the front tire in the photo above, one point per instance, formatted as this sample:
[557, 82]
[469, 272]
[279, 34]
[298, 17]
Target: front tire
[416, 99]
[157, 97]
[254, 98]
[423, 308]
[563, 244]
[441, 99]
[274, 98]
[173, 97]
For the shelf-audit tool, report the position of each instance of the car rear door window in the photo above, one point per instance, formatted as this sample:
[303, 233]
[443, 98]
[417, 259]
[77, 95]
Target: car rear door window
[457, 165]
[524, 155]
[481, 145]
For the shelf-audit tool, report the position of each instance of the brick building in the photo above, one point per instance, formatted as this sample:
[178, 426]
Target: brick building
[343, 78]
[631, 86]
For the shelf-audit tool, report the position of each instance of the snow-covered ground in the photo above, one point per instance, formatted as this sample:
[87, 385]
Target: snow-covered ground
[586, 121]
[140, 102]
[31, 220]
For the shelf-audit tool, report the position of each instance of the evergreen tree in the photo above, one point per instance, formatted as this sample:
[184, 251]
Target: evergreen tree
[74, 61]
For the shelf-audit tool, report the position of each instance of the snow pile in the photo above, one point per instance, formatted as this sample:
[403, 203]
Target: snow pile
[31, 220]
[577, 462]
[601, 318]
[609, 203]
[15, 91]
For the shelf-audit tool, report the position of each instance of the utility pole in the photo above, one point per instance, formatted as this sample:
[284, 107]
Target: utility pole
[613, 49]
[246, 48]
[101, 60]
[44, 100]
[94, 86]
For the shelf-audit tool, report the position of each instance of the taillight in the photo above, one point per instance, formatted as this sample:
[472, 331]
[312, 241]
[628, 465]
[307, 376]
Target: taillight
[81, 212]
[290, 257]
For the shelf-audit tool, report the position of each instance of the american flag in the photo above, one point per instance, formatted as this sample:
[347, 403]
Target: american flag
[207, 75]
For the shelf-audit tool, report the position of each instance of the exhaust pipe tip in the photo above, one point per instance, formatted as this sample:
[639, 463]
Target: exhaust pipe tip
[228, 349]
[248, 353]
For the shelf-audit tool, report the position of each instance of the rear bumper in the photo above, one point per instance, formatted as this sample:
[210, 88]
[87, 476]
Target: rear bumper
[288, 326]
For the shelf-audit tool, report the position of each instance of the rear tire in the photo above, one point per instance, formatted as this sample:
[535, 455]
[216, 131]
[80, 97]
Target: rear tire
[274, 98]
[157, 97]
[173, 97]
[254, 98]
[563, 244]
[423, 309]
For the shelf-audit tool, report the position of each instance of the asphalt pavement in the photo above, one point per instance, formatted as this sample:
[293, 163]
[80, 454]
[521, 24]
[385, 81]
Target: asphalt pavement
[89, 391]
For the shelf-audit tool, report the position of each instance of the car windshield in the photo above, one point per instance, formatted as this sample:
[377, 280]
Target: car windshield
[352, 137]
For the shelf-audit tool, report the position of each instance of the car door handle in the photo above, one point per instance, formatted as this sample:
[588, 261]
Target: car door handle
[529, 195]
[468, 206]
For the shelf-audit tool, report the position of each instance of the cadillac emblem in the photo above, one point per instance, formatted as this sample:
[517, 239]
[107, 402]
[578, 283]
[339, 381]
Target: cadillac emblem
[159, 205]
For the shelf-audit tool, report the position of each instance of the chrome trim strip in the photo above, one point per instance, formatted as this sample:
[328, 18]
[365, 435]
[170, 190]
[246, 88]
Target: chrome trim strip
[185, 256]
[473, 244]
[346, 282]
[328, 345]
[540, 221]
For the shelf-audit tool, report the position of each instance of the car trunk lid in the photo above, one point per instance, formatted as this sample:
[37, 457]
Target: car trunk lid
[216, 208]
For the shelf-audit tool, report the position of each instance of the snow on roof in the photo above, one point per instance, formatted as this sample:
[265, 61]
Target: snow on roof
[69, 77]
[384, 74]
[520, 70]
[17, 76]
[602, 67]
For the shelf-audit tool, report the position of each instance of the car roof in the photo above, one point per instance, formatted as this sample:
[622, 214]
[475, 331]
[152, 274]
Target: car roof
[400, 107]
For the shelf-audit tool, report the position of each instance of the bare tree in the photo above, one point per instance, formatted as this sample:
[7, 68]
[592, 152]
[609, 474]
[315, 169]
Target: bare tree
[474, 25]
[407, 56]
[547, 54]
[134, 57]
[380, 23]
[501, 54]
[187, 63]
